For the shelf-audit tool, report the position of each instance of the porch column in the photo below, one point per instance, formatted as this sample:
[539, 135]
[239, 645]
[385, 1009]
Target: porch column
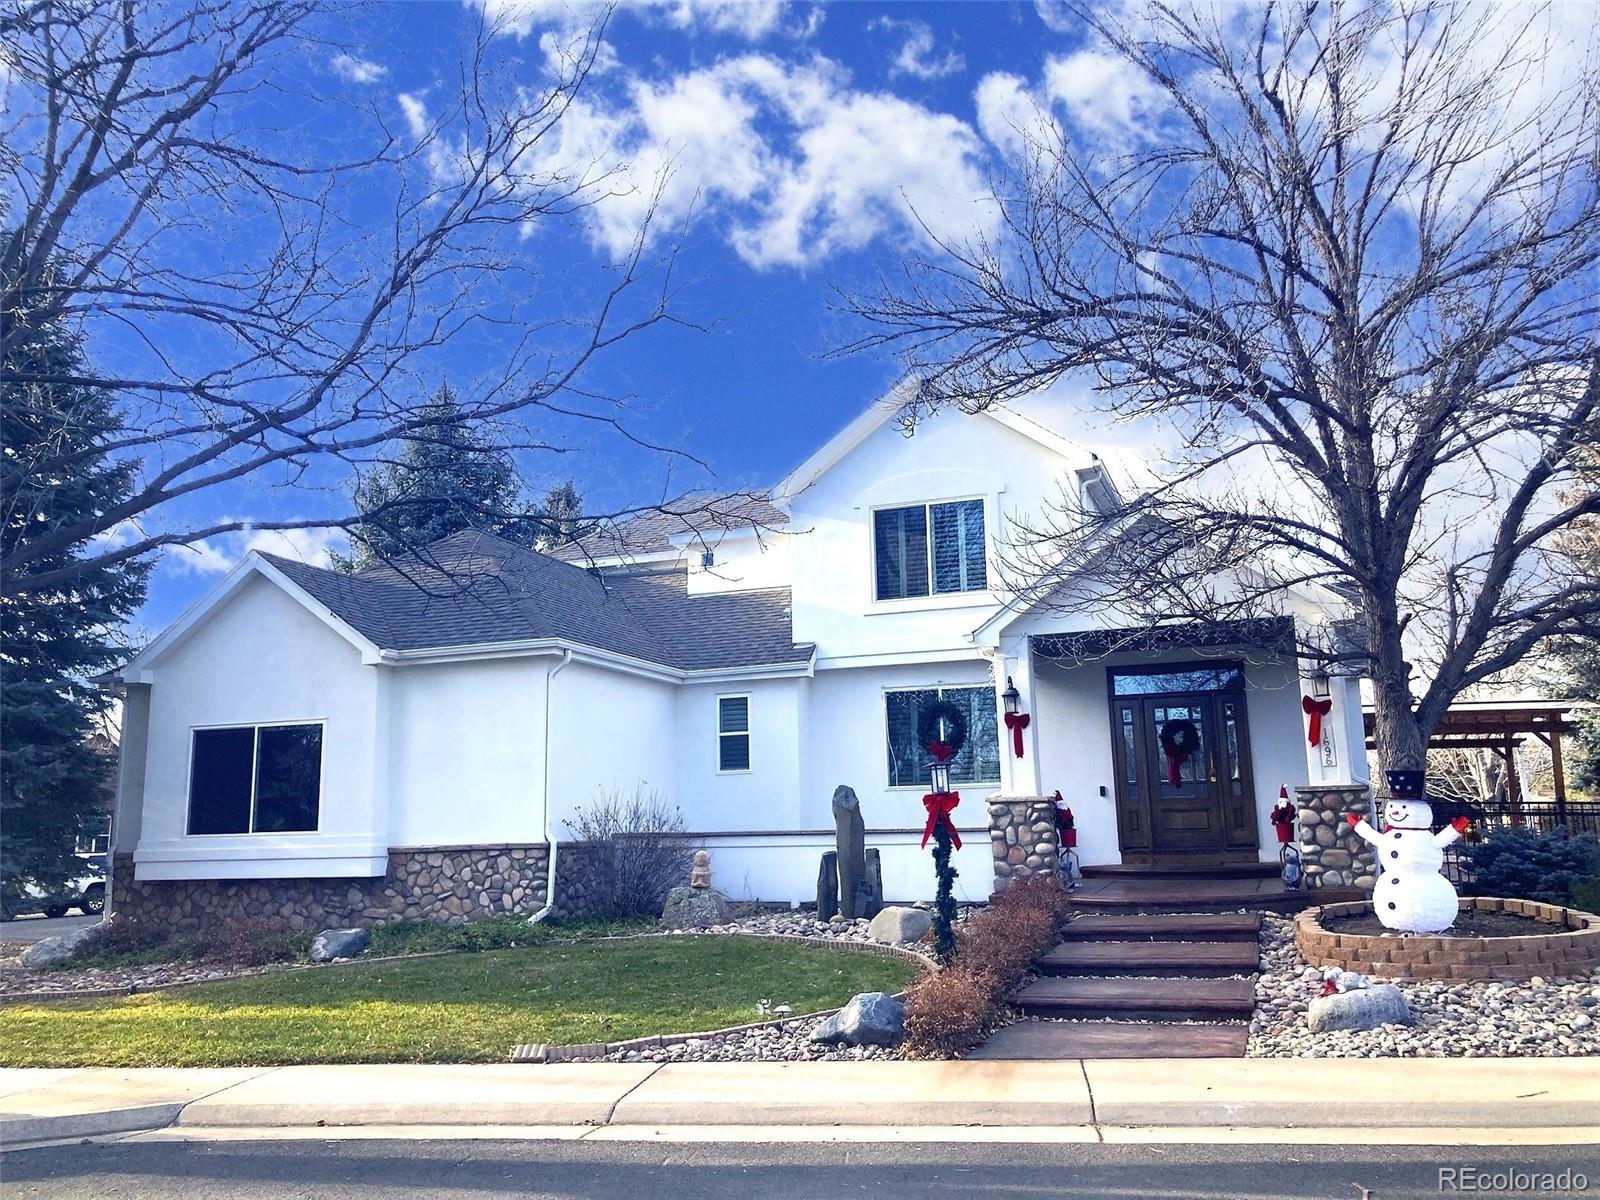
[1014, 661]
[1341, 757]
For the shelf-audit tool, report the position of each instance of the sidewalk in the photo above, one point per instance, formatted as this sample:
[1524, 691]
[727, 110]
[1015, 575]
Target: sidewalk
[41, 1105]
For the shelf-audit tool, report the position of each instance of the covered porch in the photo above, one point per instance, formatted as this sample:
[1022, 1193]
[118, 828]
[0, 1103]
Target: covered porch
[1171, 743]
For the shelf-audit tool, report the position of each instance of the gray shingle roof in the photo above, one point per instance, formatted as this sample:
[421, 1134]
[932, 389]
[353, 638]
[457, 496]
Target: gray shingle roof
[652, 531]
[475, 588]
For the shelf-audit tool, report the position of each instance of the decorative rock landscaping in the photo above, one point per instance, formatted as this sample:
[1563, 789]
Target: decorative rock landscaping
[1546, 1016]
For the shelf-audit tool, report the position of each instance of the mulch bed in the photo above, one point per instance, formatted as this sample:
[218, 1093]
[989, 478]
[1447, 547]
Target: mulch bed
[1471, 923]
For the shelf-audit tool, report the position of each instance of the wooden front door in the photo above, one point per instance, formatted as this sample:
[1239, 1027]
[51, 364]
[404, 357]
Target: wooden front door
[1202, 803]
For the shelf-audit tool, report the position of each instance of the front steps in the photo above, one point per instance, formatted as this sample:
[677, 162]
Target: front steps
[1153, 893]
[1131, 984]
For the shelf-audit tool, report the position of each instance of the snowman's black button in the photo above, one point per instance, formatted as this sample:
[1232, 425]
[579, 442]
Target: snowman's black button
[1394, 879]
[1394, 854]
[1397, 834]
[1391, 904]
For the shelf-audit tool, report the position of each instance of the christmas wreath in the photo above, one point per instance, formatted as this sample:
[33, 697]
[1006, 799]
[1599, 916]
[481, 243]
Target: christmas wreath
[942, 729]
[1179, 740]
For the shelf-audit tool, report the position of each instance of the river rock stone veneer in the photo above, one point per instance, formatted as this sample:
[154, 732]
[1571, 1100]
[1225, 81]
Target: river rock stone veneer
[446, 884]
[1331, 855]
[1022, 834]
[1575, 950]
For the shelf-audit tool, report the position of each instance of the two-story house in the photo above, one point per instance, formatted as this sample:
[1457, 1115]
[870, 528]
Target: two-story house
[414, 739]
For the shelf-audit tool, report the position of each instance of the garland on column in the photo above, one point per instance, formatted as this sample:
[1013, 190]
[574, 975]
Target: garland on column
[942, 728]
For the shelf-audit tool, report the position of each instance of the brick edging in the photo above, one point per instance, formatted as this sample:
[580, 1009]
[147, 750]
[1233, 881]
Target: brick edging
[1462, 958]
[540, 1052]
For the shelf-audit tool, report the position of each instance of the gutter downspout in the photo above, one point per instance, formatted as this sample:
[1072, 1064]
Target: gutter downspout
[550, 842]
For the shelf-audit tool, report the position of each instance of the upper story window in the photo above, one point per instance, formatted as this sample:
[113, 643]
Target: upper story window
[925, 549]
[733, 733]
[255, 779]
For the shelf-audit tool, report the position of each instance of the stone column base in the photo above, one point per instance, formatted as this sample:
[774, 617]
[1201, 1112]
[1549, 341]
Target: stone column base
[1331, 854]
[1023, 836]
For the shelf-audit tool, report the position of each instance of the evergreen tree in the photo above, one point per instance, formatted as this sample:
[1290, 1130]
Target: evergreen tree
[446, 477]
[561, 517]
[1580, 657]
[53, 785]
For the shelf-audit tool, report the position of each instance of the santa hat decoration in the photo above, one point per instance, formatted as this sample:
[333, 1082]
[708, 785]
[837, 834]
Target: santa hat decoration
[1283, 816]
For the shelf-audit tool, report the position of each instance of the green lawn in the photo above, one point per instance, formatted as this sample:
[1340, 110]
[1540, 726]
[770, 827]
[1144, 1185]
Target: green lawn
[456, 1008]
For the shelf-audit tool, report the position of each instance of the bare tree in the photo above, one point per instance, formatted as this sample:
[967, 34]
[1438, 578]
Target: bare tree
[1351, 265]
[266, 271]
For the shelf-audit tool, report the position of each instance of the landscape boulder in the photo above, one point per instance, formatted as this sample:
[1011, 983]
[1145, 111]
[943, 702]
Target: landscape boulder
[899, 925]
[1364, 1008]
[870, 1019]
[695, 908]
[53, 951]
[339, 943]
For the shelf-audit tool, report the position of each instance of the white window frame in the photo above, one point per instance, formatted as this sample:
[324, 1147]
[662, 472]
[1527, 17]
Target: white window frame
[930, 598]
[883, 709]
[255, 762]
[746, 733]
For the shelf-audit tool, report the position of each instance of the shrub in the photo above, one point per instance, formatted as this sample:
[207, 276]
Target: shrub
[1523, 864]
[122, 940]
[249, 942]
[646, 851]
[950, 1010]
[1586, 895]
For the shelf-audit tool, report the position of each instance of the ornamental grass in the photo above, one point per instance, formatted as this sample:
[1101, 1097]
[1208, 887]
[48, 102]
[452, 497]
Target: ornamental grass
[951, 1010]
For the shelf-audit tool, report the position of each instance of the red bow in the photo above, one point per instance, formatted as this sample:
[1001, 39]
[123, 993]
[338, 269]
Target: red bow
[940, 750]
[1017, 722]
[1316, 710]
[940, 805]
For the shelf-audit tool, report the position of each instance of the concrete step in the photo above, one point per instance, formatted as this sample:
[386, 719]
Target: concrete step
[1140, 999]
[1150, 958]
[1163, 927]
[1202, 895]
[1114, 1039]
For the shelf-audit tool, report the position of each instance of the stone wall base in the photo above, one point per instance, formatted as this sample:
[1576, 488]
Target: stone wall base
[447, 885]
[1023, 836]
[1331, 855]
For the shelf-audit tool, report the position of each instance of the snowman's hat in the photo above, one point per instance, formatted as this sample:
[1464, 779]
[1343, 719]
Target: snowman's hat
[1405, 785]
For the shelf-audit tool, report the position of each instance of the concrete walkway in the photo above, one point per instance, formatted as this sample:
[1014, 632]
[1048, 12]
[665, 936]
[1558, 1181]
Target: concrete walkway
[41, 1105]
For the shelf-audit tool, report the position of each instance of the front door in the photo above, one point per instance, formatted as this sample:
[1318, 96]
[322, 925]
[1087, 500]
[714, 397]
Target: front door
[1182, 760]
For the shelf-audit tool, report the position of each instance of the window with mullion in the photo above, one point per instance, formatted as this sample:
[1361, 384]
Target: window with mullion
[255, 779]
[979, 760]
[928, 549]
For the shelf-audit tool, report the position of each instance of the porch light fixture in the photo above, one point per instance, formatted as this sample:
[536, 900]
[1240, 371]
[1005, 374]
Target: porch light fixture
[1320, 684]
[1011, 697]
[941, 776]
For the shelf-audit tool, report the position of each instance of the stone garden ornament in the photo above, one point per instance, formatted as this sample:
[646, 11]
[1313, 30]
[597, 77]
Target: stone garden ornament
[1411, 895]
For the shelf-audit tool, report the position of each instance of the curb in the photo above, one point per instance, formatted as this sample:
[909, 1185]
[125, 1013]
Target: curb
[90, 1124]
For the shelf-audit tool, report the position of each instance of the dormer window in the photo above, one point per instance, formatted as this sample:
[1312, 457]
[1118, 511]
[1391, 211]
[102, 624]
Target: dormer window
[928, 548]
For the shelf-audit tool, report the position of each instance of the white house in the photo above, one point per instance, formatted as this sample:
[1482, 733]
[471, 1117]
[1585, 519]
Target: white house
[411, 741]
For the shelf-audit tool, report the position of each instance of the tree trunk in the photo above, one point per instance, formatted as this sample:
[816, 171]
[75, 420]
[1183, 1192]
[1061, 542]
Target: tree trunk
[1401, 741]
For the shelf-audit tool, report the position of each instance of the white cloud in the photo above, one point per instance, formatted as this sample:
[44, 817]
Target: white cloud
[357, 70]
[219, 555]
[1106, 97]
[1009, 115]
[916, 57]
[749, 19]
[794, 162]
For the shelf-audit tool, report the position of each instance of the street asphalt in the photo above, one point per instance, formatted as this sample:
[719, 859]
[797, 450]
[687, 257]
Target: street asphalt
[34, 929]
[483, 1170]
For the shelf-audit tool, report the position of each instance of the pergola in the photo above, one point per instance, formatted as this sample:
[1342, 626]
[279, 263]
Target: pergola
[1502, 726]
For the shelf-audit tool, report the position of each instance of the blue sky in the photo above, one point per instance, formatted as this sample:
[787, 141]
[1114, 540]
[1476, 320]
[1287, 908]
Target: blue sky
[803, 136]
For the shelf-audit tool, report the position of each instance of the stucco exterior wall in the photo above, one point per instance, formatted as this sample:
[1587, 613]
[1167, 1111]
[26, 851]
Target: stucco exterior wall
[262, 659]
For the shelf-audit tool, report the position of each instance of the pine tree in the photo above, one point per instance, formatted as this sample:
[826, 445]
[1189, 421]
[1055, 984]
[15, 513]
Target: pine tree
[446, 477]
[1580, 657]
[53, 785]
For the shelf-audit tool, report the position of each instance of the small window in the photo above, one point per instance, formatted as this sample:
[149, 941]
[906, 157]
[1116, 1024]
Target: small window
[928, 549]
[708, 558]
[256, 779]
[733, 733]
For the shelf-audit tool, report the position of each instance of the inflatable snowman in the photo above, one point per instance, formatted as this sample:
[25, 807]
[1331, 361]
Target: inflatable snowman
[1411, 895]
